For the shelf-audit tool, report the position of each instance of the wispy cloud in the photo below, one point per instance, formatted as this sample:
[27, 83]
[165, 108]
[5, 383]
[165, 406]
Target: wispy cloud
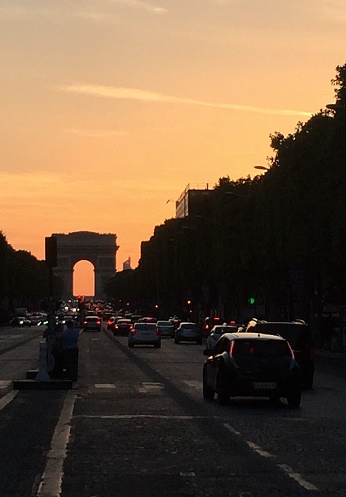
[94, 134]
[147, 96]
[141, 5]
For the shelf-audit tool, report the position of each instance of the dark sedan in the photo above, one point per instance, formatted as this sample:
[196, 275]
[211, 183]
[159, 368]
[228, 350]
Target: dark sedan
[252, 365]
[123, 326]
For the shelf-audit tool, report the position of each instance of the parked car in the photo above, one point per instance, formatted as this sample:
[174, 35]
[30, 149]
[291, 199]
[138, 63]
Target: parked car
[216, 333]
[187, 332]
[92, 323]
[144, 334]
[166, 328]
[299, 336]
[252, 365]
[20, 321]
[123, 326]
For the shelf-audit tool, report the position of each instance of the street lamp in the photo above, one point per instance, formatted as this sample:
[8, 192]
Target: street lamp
[336, 107]
[263, 168]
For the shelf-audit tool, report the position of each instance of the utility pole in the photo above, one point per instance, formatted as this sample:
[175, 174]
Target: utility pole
[51, 261]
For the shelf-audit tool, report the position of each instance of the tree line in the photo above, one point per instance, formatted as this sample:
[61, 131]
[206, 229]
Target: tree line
[23, 280]
[274, 244]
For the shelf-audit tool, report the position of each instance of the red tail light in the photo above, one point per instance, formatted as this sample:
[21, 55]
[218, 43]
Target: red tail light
[98, 322]
[156, 333]
[292, 353]
[131, 326]
[231, 349]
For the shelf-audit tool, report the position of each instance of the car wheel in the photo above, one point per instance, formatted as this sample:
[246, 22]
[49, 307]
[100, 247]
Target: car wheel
[223, 395]
[208, 392]
[176, 340]
[199, 341]
[131, 345]
[157, 345]
[294, 397]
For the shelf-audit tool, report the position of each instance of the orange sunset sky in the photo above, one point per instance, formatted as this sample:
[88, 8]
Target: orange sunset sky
[109, 108]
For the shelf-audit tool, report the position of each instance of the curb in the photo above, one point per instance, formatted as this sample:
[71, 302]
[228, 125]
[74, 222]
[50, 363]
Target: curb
[42, 385]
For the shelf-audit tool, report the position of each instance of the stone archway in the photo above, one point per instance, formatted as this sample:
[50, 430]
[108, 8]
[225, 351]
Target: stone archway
[99, 249]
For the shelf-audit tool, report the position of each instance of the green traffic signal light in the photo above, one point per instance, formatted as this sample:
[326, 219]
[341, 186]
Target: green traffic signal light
[251, 300]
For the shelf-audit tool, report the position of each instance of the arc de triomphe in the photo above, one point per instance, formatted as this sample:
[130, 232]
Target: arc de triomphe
[99, 249]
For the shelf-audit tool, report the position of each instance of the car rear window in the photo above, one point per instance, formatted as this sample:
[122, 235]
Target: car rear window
[225, 329]
[189, 326]
[260, 348]
[145, 326]
[92, 320]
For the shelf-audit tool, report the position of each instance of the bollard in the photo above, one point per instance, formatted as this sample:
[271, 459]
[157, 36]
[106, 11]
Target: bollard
[42, 374]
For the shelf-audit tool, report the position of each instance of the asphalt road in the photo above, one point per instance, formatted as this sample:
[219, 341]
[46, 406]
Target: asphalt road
[135, 424]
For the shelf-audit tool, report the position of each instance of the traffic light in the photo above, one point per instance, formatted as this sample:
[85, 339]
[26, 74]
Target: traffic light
[251, 300]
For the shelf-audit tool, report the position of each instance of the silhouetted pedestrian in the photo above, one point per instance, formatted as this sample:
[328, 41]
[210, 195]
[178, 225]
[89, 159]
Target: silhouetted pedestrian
[57, 352]
[69, 344]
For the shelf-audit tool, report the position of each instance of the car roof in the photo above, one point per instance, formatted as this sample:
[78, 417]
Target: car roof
[223, 326]
[145, 325]
[252, 336]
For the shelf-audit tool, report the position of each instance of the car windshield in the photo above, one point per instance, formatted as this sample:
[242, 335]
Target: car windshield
[164, 323]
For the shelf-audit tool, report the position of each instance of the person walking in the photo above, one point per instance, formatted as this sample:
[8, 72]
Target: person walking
[69, 344]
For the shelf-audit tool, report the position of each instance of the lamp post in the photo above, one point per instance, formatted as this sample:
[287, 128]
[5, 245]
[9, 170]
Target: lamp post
[336, 106]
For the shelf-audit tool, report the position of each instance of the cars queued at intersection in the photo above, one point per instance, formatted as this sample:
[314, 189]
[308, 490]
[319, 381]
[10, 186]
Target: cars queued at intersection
[262, 358]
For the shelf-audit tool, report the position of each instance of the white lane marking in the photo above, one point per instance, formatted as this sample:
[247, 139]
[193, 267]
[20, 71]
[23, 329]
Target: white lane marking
[187, 474]
[51, 479]
[137, 416]
[152, 383]
[6, 399]
[259, 450]
[297, 477]
[193, 383]
[231, 429]
[284, 467]
[105, 385]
